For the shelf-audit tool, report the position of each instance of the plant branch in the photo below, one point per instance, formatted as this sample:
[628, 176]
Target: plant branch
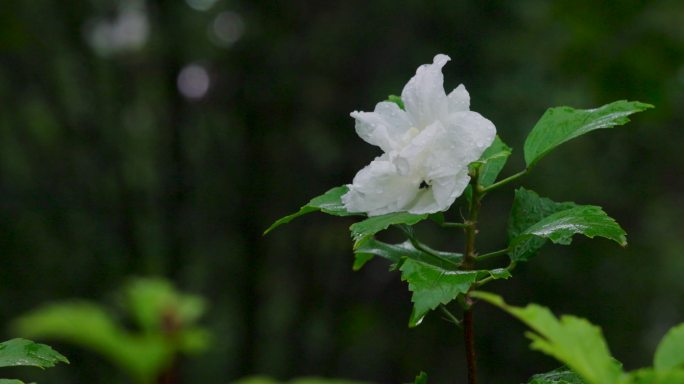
[455, 225]
[469, 260]
[505, 181]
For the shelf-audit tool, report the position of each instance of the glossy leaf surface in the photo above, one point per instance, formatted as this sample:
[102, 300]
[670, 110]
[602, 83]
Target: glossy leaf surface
[432, 286]
[329, 202]
[557, 222]
[364, 230]
[493, 160]
[557, 376]
[562, 124]
[22, 352]
[395, 252]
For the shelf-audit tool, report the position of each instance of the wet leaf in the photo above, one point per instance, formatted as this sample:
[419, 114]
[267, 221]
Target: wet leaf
[562, 124]
[329, 202]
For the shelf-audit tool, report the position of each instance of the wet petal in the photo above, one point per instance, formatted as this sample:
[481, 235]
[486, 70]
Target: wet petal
[424, 96]
[378, 188]
[459, 99]
[382, 127]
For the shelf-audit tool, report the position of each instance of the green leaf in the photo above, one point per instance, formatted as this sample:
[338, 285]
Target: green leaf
[493, 160]
[422, 378]
[149, 300]
[535, 219]
[395, 252]
[303, 380]
[561, 124]
[10, 381]
[329, 202]
[649, 376]
[587, 220]
[670, 351]
[557, 376]
[364, 230]
[91, 327]
[571, 340]
[528, 209]
[397, 100]
[432, 286]
[22, 352]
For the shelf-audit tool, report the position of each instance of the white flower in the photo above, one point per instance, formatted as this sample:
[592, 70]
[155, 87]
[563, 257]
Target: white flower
[427, 147]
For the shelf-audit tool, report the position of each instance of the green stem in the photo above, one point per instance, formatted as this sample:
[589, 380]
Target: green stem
[510, 267]
[492, 254]
[505, 181]
[450, 316]
[455, 225]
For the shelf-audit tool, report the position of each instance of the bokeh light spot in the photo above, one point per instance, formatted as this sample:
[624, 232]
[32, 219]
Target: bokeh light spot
[226, 29]
[193, 81]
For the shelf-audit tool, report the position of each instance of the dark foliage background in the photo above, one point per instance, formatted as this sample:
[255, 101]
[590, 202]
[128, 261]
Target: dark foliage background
[107, 170]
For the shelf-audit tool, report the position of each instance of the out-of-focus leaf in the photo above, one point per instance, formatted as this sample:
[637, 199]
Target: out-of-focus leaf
[395, 252]
[561, 124]
[432, 286]
[493, 160]
[152, 302]
[422, 378]
[557, 376]
[670, 351]
[571, 340]
[10, 381]
[303, 380]
[364, 230]
[22, 352]
[649, 376]
[89, 326]
[329, 202]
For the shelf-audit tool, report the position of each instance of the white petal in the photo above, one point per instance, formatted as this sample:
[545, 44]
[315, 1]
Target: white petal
[382, 127]
[471, 132]
[379, 188]
[447, 189]
[434, 153]
[459, 99]
[424, 96]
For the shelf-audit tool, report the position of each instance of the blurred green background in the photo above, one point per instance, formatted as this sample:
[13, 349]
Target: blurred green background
[162, 137]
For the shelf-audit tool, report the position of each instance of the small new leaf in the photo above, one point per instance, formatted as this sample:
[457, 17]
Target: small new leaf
[366, 229]
[571, 340]
[432, 286]
[493, 160]
[24, 352]
[562, 124]
[396, 100]
[329, 202]
[670, 351]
